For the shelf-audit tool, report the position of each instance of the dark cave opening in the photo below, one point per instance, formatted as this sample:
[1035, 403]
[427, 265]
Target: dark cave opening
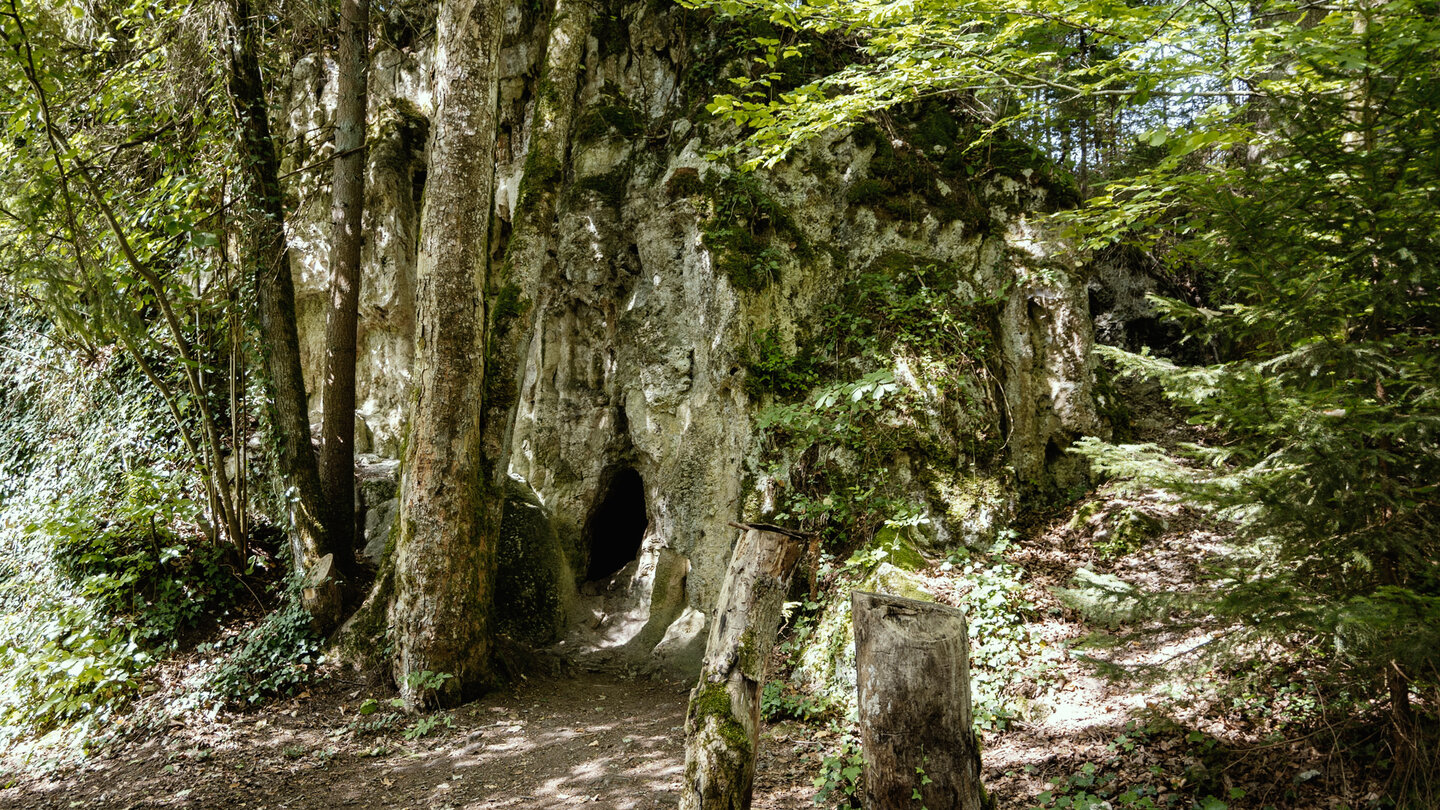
[616, 527]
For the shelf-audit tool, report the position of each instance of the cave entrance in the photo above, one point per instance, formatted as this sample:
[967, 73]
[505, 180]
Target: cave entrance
[616, 527]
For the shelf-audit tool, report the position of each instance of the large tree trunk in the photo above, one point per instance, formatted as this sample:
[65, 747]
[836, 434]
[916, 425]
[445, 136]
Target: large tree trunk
[723, 724]
[448, 511]
[275, 298]
[912, 672]
[337, 457]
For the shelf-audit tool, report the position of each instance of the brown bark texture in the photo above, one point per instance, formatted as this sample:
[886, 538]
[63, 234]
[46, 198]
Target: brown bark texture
[444, 557]
[913, 676]
[722, 726]
[337, 456]
[268, 253]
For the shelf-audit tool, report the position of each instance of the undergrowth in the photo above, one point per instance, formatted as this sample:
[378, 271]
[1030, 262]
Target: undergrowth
[107, 564]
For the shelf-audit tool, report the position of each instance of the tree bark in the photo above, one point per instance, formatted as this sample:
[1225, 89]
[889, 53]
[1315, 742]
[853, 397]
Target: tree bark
[337, 456]
[912, 664]
[722, 726]
[275, 298]
[448, 509]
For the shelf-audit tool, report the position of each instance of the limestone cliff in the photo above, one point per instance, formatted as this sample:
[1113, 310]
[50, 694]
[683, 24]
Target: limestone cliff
[649, 340]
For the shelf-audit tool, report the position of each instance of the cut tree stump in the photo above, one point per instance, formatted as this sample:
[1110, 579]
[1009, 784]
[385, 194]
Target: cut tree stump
[320, 595]
[722, 727]
[912, 664]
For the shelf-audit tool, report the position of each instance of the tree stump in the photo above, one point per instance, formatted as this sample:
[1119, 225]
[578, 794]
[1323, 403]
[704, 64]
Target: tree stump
[912, 664]
[722, 726]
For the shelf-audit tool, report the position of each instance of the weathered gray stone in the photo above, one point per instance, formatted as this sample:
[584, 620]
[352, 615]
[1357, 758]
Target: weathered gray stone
[377, 480]
[1101, 598]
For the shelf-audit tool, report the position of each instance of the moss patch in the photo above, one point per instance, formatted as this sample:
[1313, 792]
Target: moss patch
[609, 186]
[542, 173]
[751, 236]
[712, 700]
[684, 182]
[905, 180]
[600, 121]
[898, 547]
[528, 571]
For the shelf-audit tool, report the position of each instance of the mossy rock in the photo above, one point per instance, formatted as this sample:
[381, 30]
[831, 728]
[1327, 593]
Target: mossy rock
[977, 507]
[825, 659]
[1102, 599]
[610, 186]
[751, 236]
[600, 121]
[529, 570]
[684, 182]
[896, 545]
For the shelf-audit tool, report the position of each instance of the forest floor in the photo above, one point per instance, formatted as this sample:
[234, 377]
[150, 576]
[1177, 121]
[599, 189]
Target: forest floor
[605, 740]
[608, 740]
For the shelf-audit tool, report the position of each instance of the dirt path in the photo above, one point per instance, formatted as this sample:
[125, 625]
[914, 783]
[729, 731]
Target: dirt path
[595, 740]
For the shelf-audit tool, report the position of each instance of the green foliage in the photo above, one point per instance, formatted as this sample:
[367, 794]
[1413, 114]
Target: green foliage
[61, 664]
[1326, 379]
[902, 304]
[114, 162]
[770, 368]
[841, 773]
[837, 423]
[273, 657]
[905, 180]
[425, 726]
[1097, 785]
[1288, 158]
[103, 566]
[750, 235]
[1009, 661]
[139, 560]
[781, 701]
[374, 721]
[830, 452]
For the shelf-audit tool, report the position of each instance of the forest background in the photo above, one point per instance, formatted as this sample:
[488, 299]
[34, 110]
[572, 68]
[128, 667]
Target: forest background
[1275, 167]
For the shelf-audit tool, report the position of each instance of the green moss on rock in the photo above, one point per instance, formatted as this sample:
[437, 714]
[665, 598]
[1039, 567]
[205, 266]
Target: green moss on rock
[610, 186]
[529, 567]
[824, 657]
[542, 173]
[684, 182]
[751, 236]
[896, 545]
[599, 121]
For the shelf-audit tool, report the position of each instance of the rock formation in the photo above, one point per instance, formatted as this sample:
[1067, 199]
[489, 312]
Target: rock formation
[623, 392]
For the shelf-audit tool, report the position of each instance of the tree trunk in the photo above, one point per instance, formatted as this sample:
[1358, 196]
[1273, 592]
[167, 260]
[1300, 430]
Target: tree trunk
[722, 726]
[912, 664]
[337, 457]
[448, 510]
[275, 298]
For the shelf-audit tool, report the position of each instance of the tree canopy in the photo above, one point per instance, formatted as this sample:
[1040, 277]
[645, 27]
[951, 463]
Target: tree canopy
[1282, 156]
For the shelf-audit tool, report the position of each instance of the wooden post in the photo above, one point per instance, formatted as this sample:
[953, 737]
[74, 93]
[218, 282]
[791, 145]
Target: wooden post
[722, 727]
[912, 664]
